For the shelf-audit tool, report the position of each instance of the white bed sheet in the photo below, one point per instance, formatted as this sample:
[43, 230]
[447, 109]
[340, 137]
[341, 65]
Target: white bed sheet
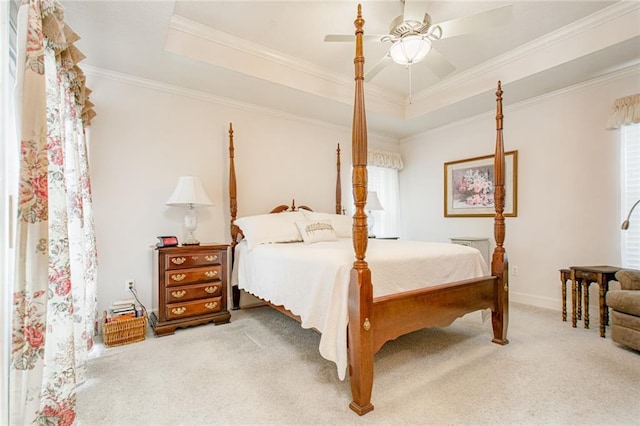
[312, 280]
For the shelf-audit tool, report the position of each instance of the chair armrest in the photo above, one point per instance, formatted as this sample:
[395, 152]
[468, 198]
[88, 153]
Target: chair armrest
[629, 279]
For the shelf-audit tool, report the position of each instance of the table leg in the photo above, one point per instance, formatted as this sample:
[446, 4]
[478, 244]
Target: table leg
[564, 296]
[585, 293]
[574, 294]
[579, 300]
[601, 287]
[606, 307]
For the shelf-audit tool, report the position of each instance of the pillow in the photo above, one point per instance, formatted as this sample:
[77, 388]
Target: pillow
[270, 228]
[342, 224]
[314, 231]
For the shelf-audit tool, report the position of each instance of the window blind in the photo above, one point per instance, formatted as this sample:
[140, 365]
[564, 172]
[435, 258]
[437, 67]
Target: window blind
[630, 250]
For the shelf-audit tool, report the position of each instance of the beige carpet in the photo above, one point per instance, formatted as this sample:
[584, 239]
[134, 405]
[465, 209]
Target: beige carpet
[263, 368]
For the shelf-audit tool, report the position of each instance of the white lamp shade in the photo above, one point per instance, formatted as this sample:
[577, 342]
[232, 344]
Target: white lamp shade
[410, 49]
[373, 202]
[189, 192]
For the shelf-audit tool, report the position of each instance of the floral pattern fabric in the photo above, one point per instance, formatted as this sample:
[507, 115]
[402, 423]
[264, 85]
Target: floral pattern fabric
[54, 302]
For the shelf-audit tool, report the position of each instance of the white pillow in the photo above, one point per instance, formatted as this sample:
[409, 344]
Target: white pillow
[314, 231]
[270, 228]
[342, 224]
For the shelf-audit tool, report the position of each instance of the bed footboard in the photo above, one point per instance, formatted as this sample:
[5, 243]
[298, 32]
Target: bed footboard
[438, 306]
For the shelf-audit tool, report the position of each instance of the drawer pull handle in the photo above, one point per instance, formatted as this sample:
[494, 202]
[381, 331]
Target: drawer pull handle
[178, 277]
[211, 274]
[211, 305]
[178, 260]
[178, 294]
[179, 310]
[211, 258]
[211, 290]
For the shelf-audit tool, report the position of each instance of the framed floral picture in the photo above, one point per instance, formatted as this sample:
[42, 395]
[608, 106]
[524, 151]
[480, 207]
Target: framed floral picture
[469, 190]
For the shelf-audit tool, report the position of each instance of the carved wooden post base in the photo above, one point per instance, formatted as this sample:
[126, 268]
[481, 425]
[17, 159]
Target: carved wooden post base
[361, 340]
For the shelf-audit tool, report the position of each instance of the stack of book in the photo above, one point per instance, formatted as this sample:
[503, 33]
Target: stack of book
[123, 309]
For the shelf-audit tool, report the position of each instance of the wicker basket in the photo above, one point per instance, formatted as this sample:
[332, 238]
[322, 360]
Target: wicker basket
[123, 332]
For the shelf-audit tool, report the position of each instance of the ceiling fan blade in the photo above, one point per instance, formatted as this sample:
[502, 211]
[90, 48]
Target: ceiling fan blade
[477, 22]
[382, 63]
[352, 37]
[438, 64]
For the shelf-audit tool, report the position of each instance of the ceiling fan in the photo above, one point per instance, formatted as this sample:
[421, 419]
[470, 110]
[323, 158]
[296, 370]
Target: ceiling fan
[411, 35]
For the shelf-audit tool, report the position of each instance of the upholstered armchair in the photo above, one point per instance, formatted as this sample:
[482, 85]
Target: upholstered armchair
[625, 309]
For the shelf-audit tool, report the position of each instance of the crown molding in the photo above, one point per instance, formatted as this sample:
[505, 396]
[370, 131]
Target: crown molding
[633, 70]
[255, 50]
[593, 22]
[218, 100]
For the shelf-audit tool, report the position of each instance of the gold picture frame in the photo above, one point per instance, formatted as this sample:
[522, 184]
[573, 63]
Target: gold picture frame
[468, 187]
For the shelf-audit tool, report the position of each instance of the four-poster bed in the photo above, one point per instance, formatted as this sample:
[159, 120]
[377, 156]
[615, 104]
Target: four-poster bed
[373, 318]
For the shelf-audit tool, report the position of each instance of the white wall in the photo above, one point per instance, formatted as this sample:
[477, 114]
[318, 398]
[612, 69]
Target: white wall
[568, 184]
[147, 135]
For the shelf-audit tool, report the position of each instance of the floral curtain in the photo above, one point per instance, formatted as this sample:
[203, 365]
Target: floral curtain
[54, 297]
[625, 111]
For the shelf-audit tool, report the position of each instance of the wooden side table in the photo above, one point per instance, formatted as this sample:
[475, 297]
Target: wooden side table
[191, 287]
[581, 277]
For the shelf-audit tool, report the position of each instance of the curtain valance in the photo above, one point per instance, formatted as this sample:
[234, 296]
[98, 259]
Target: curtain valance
[625, 111]
[390, 160]
[46, 20]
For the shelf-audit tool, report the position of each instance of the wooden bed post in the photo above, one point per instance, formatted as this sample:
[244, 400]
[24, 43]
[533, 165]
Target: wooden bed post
[361, 322]
[499, 263]
[233, 207]
[338, 183]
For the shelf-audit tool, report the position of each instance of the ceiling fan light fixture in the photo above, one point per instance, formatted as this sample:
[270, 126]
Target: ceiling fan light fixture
[410, 49]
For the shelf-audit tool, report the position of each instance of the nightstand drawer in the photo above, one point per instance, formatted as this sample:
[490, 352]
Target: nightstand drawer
[200, 291]
[197, 307]
[190, 276]
[191, 260]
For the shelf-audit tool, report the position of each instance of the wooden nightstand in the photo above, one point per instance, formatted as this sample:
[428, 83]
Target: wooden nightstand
[191, 287]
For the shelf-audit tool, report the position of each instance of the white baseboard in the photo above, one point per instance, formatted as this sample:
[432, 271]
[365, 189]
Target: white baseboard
[540, 302]
[550, 303]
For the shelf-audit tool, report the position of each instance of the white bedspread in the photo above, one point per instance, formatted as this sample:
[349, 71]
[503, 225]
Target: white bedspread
[312, 280]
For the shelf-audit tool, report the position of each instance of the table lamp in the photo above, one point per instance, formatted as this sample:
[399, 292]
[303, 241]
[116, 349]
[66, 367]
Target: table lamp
[373, 203]
[189, 193]
[625, 224]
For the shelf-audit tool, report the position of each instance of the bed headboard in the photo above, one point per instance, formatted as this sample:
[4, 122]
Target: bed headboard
[236, 232]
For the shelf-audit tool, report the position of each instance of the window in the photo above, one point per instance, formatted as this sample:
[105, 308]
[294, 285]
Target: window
[630, 136]
[384, 181]
[8, 20]
[382, 172]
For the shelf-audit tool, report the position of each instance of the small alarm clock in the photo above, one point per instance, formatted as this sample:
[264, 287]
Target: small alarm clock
[167, 241]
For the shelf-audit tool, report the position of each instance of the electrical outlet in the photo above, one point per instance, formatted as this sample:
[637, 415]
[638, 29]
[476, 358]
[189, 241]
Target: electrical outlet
[131, 285]
[514, 270]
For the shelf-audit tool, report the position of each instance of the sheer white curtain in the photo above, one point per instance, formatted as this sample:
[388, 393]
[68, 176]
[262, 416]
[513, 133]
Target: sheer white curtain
[626, 117]
[383, 170]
